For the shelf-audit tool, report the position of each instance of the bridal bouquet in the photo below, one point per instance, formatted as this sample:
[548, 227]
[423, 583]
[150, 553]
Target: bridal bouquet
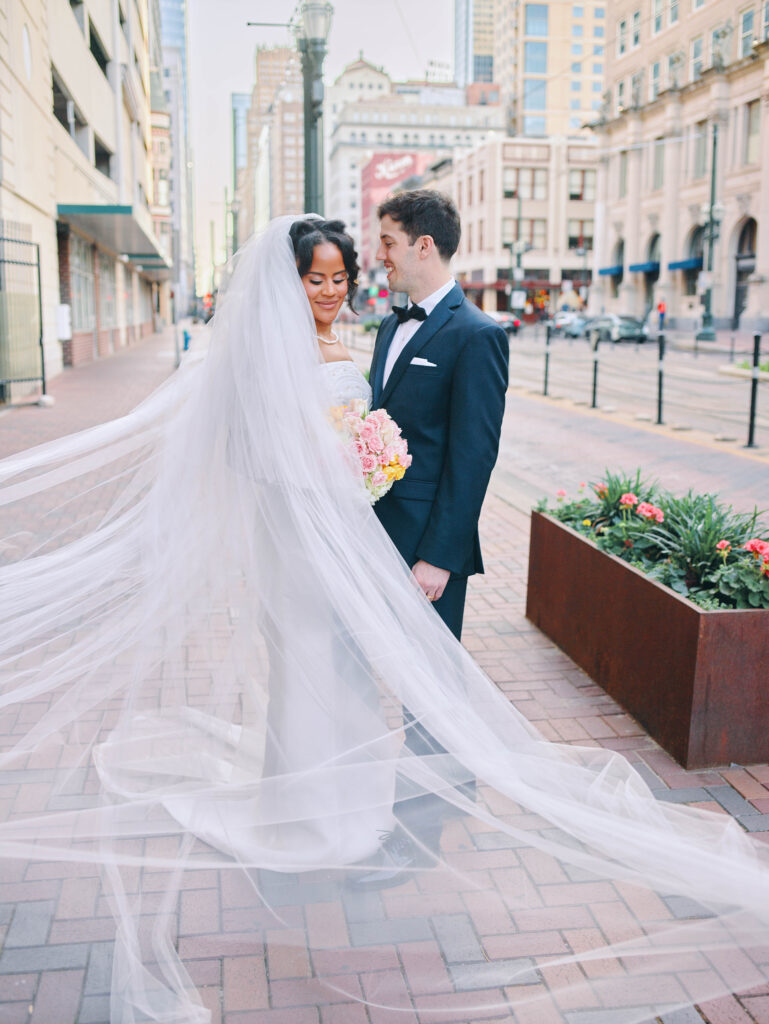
[375, 440]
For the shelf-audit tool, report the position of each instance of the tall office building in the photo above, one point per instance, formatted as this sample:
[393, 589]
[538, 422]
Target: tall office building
[174, 33]
[473, 41]
[549, 61]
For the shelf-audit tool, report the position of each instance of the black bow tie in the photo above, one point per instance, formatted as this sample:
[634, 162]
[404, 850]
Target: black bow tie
[412, 312]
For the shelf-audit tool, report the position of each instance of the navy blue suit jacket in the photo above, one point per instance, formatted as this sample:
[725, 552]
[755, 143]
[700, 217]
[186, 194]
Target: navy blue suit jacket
[451, 415]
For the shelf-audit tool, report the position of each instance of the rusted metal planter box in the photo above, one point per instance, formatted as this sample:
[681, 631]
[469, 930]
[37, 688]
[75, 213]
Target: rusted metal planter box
[698, 681]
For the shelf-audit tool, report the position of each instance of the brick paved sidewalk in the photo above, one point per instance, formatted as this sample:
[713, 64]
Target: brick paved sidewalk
[434, 938]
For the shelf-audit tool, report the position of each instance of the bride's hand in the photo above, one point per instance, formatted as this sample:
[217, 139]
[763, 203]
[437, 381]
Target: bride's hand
[431, 579]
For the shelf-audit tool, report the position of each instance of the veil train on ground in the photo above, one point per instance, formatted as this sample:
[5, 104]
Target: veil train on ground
[206, 639]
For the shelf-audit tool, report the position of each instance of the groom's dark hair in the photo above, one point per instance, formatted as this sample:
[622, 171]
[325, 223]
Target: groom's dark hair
[423, 211]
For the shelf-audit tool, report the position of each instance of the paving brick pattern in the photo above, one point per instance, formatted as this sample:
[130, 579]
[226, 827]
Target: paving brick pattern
[434, 949]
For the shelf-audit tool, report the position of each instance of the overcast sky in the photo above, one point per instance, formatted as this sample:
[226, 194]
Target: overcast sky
[401, 35]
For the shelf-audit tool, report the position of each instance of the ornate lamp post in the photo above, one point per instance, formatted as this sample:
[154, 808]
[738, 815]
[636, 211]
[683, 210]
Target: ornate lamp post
[312, 24]
[712, 213]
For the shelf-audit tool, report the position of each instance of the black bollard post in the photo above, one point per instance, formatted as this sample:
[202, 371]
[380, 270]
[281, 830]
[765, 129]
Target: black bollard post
[754, 391]
[661, 343]
[594, 400]
[547, 357]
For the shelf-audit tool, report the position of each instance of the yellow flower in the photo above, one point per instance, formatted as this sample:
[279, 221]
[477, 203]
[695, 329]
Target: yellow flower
[400, 472]
[586, 522]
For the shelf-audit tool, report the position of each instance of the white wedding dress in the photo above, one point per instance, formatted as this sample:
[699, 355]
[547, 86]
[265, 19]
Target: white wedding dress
[206, 634]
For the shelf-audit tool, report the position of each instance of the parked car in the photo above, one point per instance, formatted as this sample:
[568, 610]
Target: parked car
[614, 328]
[508, 321]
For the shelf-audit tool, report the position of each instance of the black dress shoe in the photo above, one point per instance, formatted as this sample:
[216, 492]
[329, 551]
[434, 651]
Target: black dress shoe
[397, 857]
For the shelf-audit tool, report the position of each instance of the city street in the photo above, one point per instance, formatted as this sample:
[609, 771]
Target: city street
[57, 929]
[698, 395]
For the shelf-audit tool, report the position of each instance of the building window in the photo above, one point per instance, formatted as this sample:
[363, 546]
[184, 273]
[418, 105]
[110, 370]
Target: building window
[106, 291]
[623, 174]
[576, 49]
[620, 97]
[480, 235]
[673, 12]
[470, 190]
[508, 231]
[598, 69]
[533, 182]
[746, 33]
[752, 131]
[576, 68]
[535, 58]
[537, 233]
[533, 126]
[578, 12]
[580, 234]
[597, 86]
[481, 184]
[509, 182]
[636, 28]
[534, 94]
[654, 80]
[582, 185]
[575, 105]
[700, 162]
[575, 122]
[81, 284]
[636, 89]
[536, 20]
[599, 12]
[577, 30]
[598, 31]
[696, 58]
[598, 50]
[622, 37]
[98, 51]
[102, 158]
[658, 166]
[656, 16]
[576, 86]
[765, 21]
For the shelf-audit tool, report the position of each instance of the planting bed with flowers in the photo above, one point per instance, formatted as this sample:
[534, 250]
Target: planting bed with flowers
[694, 544]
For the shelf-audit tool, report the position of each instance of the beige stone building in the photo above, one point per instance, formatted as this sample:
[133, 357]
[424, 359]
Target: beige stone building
[677, 71]
[368, 113]
[551, 226]
[76, 181]
[549, 61]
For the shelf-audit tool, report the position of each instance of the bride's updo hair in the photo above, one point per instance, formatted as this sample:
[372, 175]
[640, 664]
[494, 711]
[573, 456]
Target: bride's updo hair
[306, 234]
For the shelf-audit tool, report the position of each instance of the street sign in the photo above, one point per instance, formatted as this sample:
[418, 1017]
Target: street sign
[519, 299]
[517, 273]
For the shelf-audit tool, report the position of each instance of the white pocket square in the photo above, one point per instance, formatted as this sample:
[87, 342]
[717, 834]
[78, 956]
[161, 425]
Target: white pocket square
[419, 361]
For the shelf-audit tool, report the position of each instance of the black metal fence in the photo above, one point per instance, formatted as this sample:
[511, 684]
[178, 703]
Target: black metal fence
[22, 359]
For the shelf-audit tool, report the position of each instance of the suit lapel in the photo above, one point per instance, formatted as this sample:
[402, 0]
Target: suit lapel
[378, 360]
[442, 313]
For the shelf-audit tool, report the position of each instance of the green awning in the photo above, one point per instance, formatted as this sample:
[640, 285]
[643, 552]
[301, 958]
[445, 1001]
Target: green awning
[126, 230]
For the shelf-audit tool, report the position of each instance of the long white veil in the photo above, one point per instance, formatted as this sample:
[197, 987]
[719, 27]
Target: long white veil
[206, 640]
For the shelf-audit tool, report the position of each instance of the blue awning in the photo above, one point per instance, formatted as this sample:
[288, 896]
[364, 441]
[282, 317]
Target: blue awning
[615, 271]
[692, 263]
[644, 268]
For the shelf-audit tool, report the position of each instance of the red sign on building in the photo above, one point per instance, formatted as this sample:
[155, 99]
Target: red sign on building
[378, 178]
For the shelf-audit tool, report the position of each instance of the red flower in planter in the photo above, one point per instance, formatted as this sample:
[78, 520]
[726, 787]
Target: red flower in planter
[627, 500]
[650, 512]
[601, 490]
[760, 548]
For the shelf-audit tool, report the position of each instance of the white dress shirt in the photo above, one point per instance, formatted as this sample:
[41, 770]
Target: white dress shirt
[405, 332]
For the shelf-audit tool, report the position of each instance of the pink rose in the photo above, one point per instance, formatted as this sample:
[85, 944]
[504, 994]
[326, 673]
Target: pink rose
[375, 443]
[368, 463]
[369, 430]
[378, 479]
[405, 460]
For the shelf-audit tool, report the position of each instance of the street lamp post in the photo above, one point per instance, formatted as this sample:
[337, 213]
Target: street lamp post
[312, 26]
[581, 251]
[707, 331]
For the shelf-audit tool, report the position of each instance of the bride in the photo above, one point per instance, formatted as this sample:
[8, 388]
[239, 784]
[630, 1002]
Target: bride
[206, 639]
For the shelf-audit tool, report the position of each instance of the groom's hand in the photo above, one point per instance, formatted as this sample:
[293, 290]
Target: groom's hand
[431, 579]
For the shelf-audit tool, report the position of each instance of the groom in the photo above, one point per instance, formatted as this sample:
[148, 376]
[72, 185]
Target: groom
[440, 369]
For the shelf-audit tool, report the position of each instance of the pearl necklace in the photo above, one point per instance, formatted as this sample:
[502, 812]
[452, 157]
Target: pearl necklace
[329, 341]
